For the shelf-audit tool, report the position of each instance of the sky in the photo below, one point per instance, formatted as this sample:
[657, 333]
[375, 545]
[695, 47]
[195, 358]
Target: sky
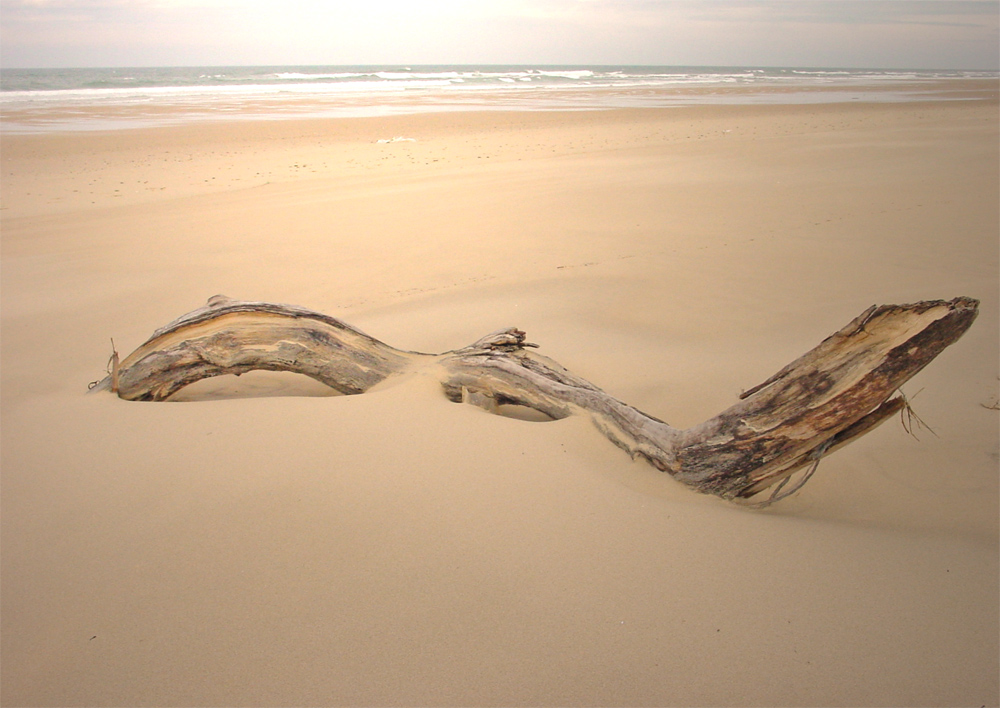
[928, 34]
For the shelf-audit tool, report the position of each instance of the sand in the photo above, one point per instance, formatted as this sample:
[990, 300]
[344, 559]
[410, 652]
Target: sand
[261, 543]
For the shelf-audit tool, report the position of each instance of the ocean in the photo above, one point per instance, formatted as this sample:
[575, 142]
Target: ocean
[39, 100]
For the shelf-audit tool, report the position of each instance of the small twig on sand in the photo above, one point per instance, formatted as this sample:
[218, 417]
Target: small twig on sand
[111, 368]
[113, 365]
[995, 406]
[909, 418]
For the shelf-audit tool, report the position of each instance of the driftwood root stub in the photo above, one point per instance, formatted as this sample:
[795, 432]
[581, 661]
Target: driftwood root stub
[833, 394]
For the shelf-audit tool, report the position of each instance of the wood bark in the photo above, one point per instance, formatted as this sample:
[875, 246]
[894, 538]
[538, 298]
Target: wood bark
[838, 391]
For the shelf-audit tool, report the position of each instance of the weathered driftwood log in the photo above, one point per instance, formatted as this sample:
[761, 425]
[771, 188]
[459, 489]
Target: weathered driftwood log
[828, 397]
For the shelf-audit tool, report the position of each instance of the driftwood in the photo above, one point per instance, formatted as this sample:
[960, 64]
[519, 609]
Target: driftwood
[833, 394]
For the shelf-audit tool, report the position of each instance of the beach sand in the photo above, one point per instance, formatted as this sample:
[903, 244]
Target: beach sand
[262, 543]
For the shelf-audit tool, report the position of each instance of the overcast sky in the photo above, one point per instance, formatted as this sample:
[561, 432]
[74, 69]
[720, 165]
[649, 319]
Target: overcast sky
[935, 34]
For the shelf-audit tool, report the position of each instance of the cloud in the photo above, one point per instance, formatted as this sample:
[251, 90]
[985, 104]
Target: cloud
[864, 12]
[933, 33]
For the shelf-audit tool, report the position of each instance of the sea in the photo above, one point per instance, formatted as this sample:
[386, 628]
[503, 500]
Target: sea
[42, 100]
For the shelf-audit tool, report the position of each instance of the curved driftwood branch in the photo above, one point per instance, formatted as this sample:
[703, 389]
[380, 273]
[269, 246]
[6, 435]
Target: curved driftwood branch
[830, 396]
[233, 337]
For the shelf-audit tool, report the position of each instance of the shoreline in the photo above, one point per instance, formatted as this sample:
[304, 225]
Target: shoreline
[257, 543]
[48, 117]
